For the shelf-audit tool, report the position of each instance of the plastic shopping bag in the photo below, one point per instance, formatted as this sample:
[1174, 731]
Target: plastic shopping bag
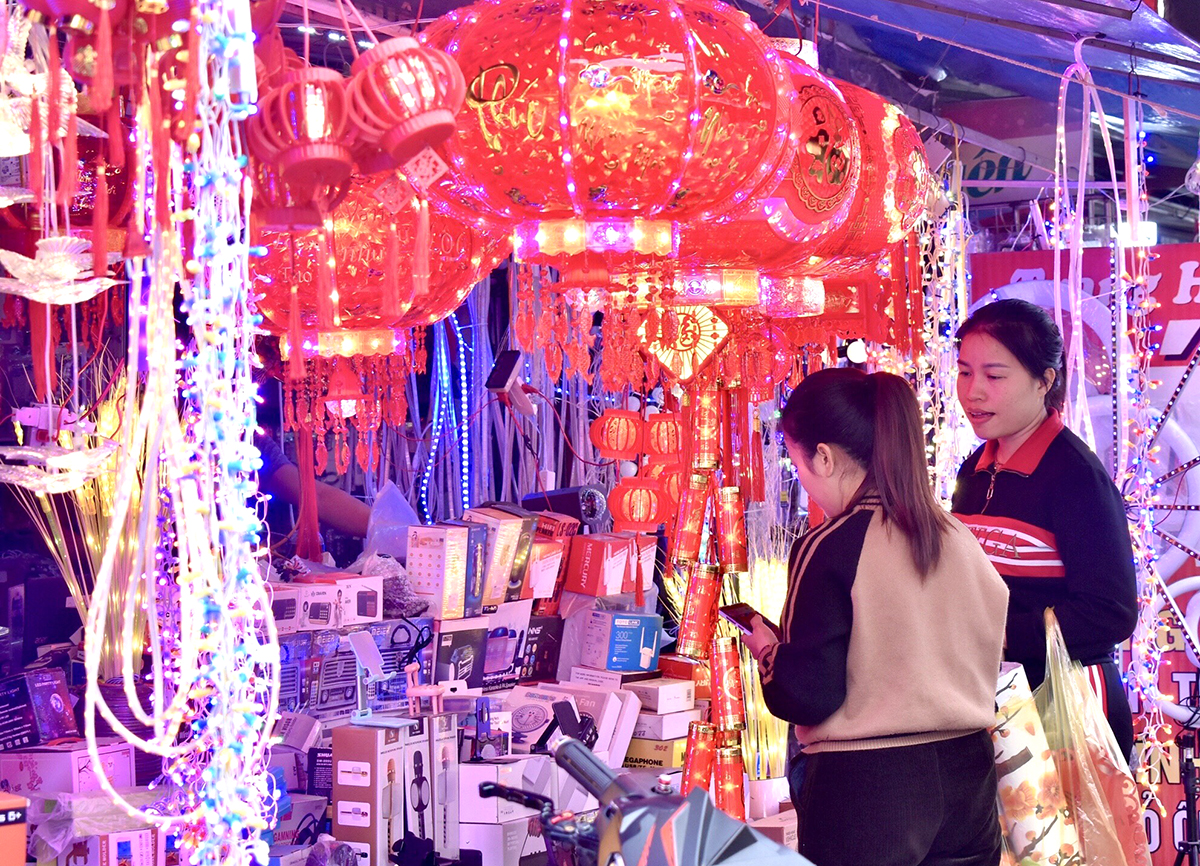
[1099, 789]
[1035, 822]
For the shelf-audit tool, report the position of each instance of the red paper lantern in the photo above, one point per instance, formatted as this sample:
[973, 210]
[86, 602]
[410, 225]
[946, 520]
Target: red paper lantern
[617, 434]
[365, 232]
[664, 438]
[599, 126]
[302, 126]
[403, 97]
[637, 505]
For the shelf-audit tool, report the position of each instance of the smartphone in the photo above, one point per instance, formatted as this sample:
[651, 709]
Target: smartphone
[742, 616]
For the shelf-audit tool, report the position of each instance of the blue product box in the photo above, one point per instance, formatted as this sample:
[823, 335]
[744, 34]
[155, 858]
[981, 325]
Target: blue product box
[619, 641]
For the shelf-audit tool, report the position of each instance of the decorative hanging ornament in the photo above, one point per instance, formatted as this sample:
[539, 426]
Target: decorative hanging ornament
[598, 127]
[617, 434]
[371, 238]
[637, 505]
[404, 97]
[687, 339]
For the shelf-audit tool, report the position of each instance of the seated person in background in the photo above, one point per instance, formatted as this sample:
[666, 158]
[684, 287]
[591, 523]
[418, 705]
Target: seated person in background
[280, 478]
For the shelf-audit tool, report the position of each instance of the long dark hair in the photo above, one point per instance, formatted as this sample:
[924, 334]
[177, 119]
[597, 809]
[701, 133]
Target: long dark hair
[874, 419]
[1026, 330]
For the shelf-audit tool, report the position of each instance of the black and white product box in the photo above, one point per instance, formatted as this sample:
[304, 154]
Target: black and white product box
[526, 772]
[513, 843]
[368, 789]
[670, 726]
[320, 772]
[508, 630]
[443, 750]
[532, 709]
[418, 783]
[542, 646]
[295, 672]
[461, 651]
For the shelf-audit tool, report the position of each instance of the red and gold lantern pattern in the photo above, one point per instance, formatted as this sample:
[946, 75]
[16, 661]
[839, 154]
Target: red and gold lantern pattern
[637, 505]
[617, 434]
[731, 530]
[729, 706]
[699, 619]
[689, 524]
[699, 757]
[664, 438]
[404, 97]
[730, 787]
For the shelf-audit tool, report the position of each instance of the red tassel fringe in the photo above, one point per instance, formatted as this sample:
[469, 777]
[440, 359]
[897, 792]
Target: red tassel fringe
[101, 91]
[68, 184]
[54, 94]
[37, 152]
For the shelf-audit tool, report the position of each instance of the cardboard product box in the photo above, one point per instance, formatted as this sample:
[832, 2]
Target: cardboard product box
[128, 848]
[437, 568]
[285, 607]
[295, 671]
[532, 709]
[504, 534]
[333, 685]
[297, 731]
[461, 651]
[485, 733]
[355, 600]
[289, 855]
[304, 822]
[446, 807]
[508, 630]
[14, 825]
[619, 641]
[477, 560]
[600, 705]
[542, 646]
[319, 772]
[669, 726]
[368, 788]
[34, 709]
[664, 696]
[514, 843]
[528, 772]
[679, 667]
[291, 764]
[397, 639]
[555, 527]
[643, 558]
[655, 753]
[515, 589]
[781, 828]
[627, 714]
[67, 767]
[609, 679]
[596, 565]
[419, 774]
[545, 563]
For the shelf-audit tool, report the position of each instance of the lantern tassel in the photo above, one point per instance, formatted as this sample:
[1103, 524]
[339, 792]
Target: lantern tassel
[391, 297]
[308, 532]
[116, 137]
[68, 184]
[54, 93]
[420, 269]
[100, 222]
[295, 339]
[101, 91]
[37, 153]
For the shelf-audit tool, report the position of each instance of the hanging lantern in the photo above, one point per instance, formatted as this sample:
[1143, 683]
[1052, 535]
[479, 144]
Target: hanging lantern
[689, 526]
[699, 756]
[593, 127]
[617, 434]
[731, 530]
[637, 505]
[302, 127]
[664, 438]
[404, 97]
[891, 195]
[699, 618]
[374, 297]
[670, 477]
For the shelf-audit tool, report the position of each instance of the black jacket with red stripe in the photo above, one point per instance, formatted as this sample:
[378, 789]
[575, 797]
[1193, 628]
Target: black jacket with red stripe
[1053, 523]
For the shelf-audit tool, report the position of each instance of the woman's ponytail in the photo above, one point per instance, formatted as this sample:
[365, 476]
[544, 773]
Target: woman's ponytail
[900, 470]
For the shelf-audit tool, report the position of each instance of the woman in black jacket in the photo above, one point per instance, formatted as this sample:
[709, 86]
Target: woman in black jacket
[1042, 505]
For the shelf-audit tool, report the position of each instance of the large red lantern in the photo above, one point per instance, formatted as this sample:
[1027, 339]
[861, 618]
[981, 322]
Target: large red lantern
[596, 127]
[891, 195]
[376, 222]
[664, 438]
[617, 434]
[403, 97]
